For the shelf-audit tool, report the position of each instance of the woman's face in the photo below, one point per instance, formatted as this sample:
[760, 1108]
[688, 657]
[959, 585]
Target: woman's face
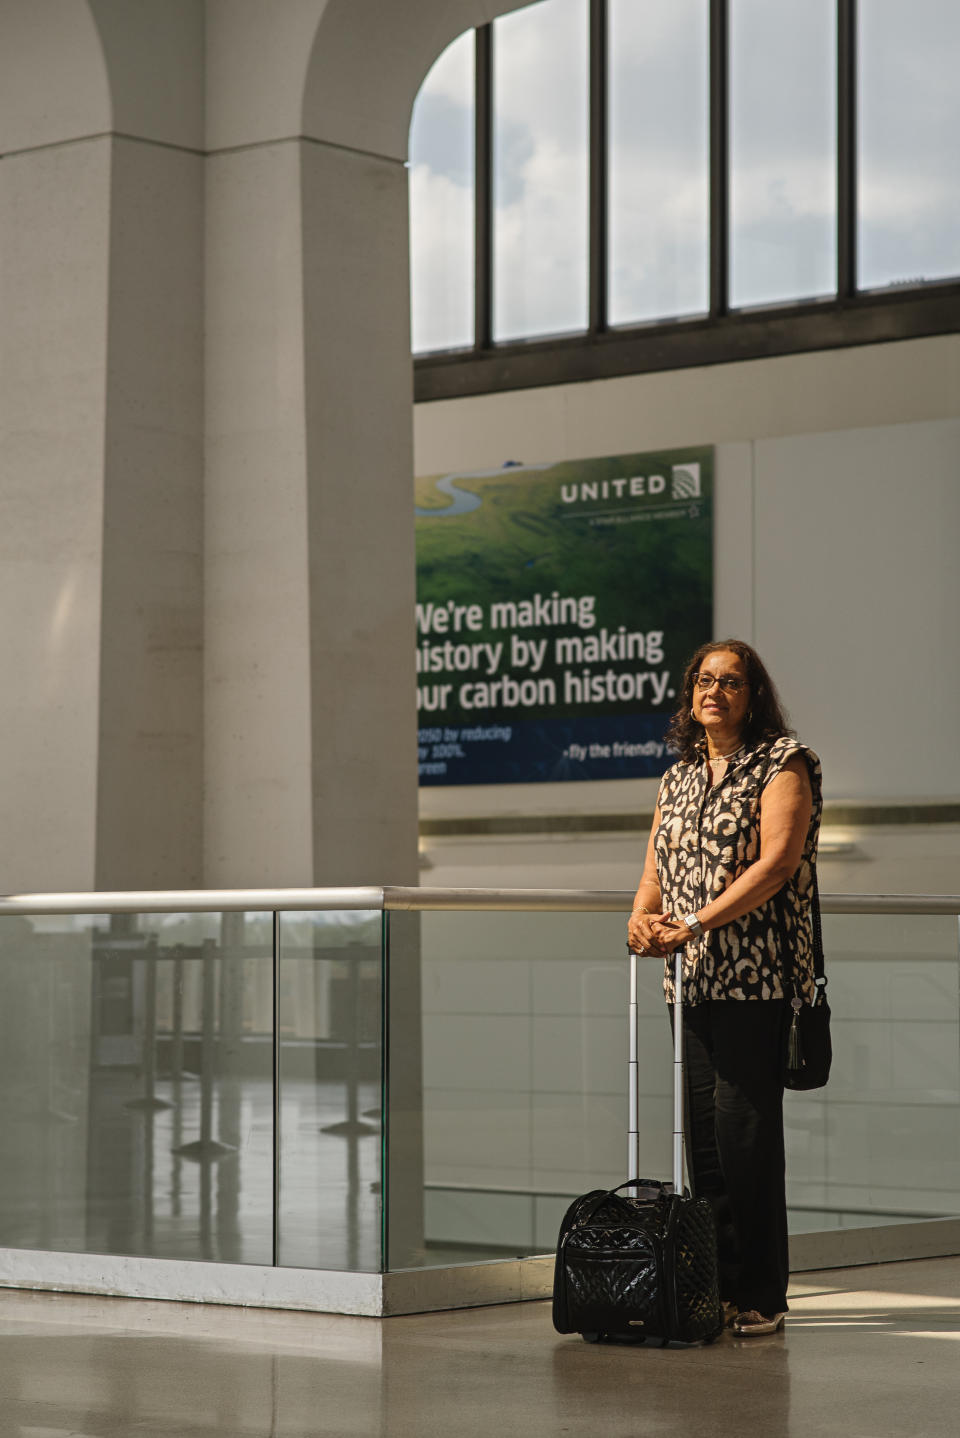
[718, 708]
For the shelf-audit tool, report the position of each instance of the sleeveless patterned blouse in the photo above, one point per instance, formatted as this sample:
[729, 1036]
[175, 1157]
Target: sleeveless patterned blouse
[708, 834]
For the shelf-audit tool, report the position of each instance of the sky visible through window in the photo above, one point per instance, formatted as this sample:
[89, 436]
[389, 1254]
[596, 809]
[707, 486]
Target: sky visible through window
[659, 164]
[441, 202]
[909, 172]
[783, 140]
[540, 170]
[783, 145]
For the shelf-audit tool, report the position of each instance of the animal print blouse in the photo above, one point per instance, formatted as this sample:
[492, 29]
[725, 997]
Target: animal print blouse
[708, 834]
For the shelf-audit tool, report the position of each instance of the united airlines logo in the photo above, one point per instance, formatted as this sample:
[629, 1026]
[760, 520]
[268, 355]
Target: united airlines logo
[594, 491]
[685, 485]
[685, 481]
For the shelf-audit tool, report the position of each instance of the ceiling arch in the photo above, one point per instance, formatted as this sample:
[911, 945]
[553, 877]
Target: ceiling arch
[53, 75]
[369, 59]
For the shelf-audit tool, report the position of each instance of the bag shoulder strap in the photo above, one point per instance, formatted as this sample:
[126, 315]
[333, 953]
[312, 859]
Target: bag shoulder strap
[818, 972]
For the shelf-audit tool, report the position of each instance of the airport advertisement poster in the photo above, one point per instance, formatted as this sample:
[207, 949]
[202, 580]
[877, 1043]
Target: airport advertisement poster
[557, 605]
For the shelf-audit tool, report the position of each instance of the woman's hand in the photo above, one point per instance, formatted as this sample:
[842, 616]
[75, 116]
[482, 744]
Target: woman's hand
[646, 906]
[670, 934]
[641, 935]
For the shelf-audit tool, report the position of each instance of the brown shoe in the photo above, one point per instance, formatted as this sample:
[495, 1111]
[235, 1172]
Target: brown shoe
[750, 1322]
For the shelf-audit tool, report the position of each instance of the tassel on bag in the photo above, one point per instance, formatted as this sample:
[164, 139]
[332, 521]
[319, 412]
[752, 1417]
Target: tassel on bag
[794, 1047]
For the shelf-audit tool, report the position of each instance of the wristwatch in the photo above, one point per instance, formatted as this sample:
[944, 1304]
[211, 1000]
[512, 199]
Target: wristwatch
[693, 924]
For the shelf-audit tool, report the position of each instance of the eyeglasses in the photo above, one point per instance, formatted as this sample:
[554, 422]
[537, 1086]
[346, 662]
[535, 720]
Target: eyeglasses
[729, 683]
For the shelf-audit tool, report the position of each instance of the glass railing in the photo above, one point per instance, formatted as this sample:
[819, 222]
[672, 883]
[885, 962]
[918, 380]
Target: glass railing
[194, 1084]
[383, 1080]
[880, 1144]
[525, 1051]
[525, 1055]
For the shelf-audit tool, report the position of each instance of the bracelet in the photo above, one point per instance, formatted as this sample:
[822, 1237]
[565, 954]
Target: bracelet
[642, 909]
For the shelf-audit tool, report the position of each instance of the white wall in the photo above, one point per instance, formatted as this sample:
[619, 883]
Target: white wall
[838, 496]
[757, 399]
[857, 596]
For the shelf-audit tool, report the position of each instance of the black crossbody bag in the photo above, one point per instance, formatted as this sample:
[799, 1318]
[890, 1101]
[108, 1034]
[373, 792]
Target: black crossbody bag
[809, 1048]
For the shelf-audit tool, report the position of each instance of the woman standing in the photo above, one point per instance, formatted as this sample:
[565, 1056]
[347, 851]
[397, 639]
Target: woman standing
[729, 879]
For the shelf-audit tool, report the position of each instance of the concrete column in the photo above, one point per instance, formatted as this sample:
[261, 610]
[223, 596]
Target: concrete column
[100, 409]
[310, 690]
[150, 736]
[359, 452]
[54, 282]
[258, 810]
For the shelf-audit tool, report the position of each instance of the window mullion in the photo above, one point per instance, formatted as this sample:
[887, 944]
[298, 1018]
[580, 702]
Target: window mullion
[483, 209]
[846, 148]
[719, 159]
[598, 166]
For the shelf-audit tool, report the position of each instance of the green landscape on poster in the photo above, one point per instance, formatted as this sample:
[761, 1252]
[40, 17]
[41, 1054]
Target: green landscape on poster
[559, 599]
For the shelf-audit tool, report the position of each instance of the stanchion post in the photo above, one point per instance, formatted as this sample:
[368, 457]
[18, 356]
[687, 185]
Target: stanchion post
[206, 1147]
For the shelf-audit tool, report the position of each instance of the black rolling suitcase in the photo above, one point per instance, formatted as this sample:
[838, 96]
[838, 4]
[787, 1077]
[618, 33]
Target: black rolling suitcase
[643, 1264]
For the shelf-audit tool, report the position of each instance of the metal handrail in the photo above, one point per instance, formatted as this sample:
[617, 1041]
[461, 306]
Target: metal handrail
[621, 901]
[411, 898]
[191, 901]
[611, 901]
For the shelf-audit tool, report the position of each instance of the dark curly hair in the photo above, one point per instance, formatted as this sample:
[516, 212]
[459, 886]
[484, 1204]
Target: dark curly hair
[766, 717]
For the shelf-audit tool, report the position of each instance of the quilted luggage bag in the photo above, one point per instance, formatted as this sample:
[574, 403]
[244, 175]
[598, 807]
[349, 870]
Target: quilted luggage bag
[642, 1264]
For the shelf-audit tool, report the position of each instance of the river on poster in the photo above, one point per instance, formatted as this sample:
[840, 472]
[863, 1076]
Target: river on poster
[556, 607]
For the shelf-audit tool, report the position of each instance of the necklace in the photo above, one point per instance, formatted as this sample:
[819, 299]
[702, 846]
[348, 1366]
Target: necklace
[722, 758]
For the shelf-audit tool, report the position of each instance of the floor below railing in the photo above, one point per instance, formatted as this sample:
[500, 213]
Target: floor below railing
[866, 1353]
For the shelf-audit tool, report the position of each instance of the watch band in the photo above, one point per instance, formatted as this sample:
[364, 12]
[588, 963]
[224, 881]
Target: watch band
[694, 924]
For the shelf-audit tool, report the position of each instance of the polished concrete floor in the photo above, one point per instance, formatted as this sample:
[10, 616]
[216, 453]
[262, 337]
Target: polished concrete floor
[119, 1178]
[866, 1352]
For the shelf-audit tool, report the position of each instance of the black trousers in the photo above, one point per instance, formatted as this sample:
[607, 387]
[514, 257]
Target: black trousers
[734, 1135]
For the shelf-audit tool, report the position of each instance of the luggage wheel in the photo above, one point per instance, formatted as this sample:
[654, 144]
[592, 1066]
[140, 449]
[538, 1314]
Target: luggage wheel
[591, 1337]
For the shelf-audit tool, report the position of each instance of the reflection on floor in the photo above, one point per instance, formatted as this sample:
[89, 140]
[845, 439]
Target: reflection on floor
[130, 1178]
[867, 1352]
[116, 1174]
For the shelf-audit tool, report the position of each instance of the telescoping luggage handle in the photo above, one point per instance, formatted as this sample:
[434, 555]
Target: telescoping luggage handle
[633, 1154]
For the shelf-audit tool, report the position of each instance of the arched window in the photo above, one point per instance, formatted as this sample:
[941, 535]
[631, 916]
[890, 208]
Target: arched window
[605, 187]
[442, 174]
